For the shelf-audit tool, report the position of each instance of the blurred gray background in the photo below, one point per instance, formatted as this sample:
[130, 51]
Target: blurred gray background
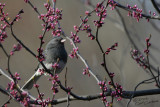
[127, 72]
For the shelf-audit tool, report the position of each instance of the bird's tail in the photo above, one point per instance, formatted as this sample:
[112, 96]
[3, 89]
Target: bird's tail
[29, 84]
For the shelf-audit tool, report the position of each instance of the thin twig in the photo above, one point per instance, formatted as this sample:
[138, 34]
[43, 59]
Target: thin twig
[66, 78]
[158, 76]
[144, 81]
[35, 9]
[104, 55]
[40, 96]
[131, 10]
[41, 42]
[68, 99]
[148, 61]
[4, 50]
[7, 102]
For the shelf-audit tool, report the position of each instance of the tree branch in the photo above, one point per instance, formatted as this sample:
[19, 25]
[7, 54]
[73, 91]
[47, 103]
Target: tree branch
[155, 6]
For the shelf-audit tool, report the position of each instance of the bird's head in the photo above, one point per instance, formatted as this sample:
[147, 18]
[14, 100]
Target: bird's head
[56, 42]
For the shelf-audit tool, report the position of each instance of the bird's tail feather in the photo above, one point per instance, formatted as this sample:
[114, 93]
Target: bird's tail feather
[29, 84]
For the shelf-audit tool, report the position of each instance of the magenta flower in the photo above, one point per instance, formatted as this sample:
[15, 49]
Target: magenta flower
[55, 65]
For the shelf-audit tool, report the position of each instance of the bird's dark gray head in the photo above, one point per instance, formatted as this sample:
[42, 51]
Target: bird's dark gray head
[56, 42]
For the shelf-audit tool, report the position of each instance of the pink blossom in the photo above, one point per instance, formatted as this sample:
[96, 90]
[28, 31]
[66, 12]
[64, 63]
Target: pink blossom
[87, 12]
[26, 1]
[55, 65]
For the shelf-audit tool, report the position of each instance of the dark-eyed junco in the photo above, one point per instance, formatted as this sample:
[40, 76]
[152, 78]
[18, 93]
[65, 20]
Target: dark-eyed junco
[54, 53]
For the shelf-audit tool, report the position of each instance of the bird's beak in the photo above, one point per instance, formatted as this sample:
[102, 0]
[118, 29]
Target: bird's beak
[63, 40]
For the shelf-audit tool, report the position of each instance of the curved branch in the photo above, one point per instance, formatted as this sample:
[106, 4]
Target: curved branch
[155, 6]
[71, 98]
[125, 94]
[4, 50]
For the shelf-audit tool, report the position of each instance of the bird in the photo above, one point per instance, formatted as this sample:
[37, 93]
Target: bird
[54, 53]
